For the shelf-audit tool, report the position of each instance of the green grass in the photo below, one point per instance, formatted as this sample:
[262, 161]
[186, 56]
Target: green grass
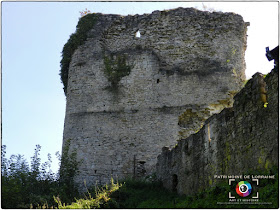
[102, 199]
[143, 194]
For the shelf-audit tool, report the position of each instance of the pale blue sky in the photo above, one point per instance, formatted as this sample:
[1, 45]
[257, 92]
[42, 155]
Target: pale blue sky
[33, 35]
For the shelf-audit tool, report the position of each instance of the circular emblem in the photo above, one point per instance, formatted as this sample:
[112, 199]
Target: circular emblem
[243, 188]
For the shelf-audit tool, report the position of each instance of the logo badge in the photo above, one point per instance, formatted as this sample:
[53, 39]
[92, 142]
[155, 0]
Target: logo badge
[243, 188]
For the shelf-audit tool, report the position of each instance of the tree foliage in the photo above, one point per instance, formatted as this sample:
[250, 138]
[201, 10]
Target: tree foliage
[24, 186]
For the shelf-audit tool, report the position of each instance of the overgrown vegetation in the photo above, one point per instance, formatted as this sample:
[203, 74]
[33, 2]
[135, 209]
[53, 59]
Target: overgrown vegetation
[67, 172]
[35, 186]
[76, 39]
[142, 194]
[116, 67]
[24, 186]
[102, 199]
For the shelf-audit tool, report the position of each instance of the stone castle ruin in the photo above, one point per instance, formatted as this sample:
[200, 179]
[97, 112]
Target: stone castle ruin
[239, 139]
[139, 83]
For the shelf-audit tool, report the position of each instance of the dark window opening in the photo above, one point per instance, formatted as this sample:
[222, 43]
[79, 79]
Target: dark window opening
[157, 80]
[140, 168]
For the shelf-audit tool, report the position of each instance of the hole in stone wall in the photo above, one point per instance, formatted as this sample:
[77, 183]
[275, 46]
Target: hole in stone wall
[174, 182]
[158, 81]
[137, 34]
[95, 171]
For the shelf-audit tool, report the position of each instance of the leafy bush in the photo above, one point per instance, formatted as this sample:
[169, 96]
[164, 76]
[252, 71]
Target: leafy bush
[115, 69]
[76, 39]
[67, 172]
[25, 186]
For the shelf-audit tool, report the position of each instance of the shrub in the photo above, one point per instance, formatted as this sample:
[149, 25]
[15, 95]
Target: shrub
[67, 172]
[25, 186]
[76, 39]
[115, 69]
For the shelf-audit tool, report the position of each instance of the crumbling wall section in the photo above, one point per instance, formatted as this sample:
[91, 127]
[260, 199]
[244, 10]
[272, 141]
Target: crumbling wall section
[237, 139]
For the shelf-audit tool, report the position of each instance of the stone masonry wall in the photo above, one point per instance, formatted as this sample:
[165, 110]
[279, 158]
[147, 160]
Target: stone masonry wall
[186, 65]
[230, 143]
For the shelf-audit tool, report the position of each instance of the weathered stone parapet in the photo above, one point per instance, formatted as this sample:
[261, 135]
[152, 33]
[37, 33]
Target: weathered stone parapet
[129, 96]
[241, 138]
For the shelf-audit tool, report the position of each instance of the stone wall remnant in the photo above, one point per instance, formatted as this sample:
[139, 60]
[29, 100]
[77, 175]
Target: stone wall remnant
[244, 137]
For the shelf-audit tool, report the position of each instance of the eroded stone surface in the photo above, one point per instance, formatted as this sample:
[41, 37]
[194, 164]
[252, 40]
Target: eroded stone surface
[184, 59]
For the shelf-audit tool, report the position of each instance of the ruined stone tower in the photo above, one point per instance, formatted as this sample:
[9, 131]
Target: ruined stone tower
[141, 82]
